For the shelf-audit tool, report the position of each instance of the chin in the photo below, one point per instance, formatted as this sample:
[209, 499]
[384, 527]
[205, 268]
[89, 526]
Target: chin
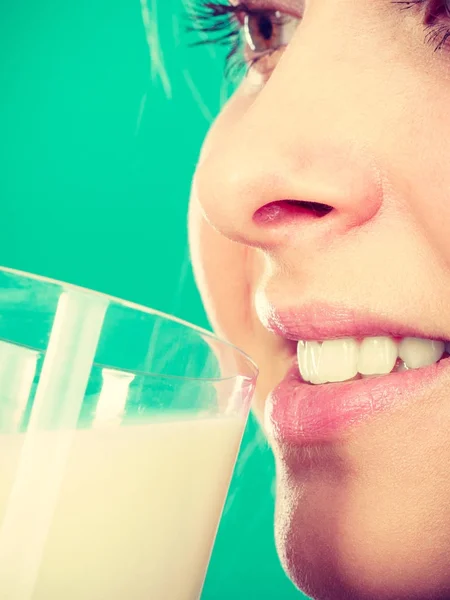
[331, 555]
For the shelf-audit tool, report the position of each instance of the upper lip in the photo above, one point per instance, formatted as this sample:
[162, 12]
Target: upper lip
[321, 321]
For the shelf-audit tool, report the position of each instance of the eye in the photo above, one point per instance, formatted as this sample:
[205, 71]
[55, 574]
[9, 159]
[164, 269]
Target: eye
[437, 9]
[268, 31]
[264, 35]
[252, 35]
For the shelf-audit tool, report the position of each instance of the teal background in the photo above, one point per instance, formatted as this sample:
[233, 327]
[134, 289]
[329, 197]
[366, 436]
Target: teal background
[96, 157]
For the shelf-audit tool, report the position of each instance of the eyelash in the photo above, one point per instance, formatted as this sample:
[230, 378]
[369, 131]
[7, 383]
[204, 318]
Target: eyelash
[222, 24]
[437, 35]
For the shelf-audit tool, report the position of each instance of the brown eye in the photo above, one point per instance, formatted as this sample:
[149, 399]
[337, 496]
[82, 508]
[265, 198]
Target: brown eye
[267, 31]
[446, 7]
[437, 9]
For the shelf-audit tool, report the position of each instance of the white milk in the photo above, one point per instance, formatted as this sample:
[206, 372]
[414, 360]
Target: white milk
[137, 511]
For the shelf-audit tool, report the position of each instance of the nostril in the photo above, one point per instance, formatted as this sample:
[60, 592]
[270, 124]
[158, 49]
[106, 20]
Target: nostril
[283, 210]
[317, 208]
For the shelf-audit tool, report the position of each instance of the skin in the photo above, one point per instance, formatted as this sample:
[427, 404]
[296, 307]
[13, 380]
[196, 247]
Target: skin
[351, 114]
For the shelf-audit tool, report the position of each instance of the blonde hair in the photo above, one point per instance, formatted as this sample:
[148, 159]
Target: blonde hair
[157, 66]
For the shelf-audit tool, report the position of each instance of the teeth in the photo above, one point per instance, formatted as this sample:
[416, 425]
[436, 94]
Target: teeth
[416, 352]
[339, 360]
[377, 356]
[308, 356]
[345, 359]
[330, 361]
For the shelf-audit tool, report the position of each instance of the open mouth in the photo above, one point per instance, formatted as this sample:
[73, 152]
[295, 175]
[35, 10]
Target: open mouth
[346, 359]
[300, 412]
[348, 368]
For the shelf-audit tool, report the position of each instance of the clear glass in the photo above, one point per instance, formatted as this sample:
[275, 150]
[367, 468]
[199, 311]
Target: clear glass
[119, 432]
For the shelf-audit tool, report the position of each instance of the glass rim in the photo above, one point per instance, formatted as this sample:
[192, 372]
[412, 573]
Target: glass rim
[150, 311]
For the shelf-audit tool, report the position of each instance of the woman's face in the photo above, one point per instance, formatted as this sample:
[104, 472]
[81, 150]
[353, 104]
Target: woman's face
[321, 210]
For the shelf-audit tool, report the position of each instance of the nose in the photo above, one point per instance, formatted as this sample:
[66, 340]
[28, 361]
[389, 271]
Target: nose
[292, 164]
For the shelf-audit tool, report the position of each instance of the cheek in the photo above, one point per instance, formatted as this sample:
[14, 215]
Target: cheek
[432, 205]
[223, 274]
[227, 275]
[222, 268]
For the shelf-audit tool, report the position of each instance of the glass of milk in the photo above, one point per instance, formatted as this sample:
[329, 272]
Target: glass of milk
[119, 431]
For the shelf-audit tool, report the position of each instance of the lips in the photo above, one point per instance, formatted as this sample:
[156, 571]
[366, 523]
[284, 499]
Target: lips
[322, 321]
[297, 412]
[300, 413]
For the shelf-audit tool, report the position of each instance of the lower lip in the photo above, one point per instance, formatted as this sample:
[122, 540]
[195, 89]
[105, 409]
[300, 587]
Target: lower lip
[301, 413]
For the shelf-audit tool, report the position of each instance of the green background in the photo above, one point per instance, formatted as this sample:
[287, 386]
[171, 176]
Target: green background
[96, 157]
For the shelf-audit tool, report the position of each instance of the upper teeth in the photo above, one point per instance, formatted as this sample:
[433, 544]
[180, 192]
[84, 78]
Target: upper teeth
[342, 359]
